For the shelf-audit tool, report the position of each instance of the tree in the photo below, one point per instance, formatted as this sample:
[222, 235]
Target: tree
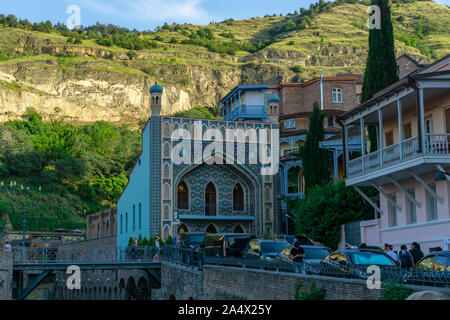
[325, 208]
[381, 66]
[315, 160]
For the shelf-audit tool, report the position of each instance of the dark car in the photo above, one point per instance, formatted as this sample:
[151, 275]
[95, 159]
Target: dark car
[264, 249]
[354, 263]
[235, 243]
[433, 269]
[313, 254]
[192, 240]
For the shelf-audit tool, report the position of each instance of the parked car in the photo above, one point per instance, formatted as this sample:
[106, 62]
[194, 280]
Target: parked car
[264, 249]
[433, 269]
[313, 254]
[192, 240]
[354, 263]
[213, 244]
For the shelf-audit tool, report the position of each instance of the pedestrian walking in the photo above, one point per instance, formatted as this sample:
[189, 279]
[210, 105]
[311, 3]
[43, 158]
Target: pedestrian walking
[391, 253]
[405, 258]
[157, 248]
[416, 253]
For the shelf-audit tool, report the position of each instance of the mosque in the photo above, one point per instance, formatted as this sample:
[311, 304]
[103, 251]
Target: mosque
[209, 191]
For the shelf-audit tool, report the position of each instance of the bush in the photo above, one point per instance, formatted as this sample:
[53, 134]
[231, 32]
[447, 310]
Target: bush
[325, 208]
[297, 69]
[394, 290]
[314, 292]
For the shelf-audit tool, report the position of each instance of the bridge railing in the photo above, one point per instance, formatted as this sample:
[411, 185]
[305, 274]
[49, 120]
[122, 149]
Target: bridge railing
[184, 256]
[82, 255]
[394, 273]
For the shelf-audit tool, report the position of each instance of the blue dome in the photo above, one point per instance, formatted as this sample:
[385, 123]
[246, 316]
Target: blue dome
[274, 98]
[156, 88]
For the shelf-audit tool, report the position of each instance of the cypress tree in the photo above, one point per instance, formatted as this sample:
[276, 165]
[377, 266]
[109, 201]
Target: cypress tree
[315, 160]
[381, 66]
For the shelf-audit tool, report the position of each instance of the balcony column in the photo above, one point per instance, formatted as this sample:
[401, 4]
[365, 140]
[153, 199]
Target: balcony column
[363, 143]
[400, 127]
[347, 154]
[421, 120]
[380, 132]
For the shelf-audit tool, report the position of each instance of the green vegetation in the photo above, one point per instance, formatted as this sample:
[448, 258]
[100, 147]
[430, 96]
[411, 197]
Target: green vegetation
[59, 173]
[326, 207]
[381, 66]
[394, 290]
[199, 113]
[314, 292]
[315, 160]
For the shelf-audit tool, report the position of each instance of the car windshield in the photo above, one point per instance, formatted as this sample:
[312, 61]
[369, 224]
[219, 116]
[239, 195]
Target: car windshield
[316, 253]
[274, 246]
[370, 258]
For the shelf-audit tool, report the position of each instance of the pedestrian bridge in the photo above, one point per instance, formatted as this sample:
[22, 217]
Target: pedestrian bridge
[48, 260]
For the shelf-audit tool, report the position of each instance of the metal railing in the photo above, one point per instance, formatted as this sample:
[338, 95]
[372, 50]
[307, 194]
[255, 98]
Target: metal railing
[82, 255]
[198, 258]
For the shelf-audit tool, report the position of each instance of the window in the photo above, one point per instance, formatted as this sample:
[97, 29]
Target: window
[337, 95]
[238, 198]
[447, 120]
[389, 138]
[183, 196]
[393, 211]
[134, 217]
[210, 200]
[331, 122]
[407, 131]
[289, 124]
[429, 124]
[140, 216]
[440, 264]
[412, 218]
[121, 223]
[426, 264]
[432, 204]
[126, 222]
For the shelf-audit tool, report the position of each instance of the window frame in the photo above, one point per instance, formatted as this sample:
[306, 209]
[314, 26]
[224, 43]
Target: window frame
[339, 95]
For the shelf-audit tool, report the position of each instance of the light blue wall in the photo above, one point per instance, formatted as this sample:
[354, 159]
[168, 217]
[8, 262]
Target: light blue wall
[137, 191]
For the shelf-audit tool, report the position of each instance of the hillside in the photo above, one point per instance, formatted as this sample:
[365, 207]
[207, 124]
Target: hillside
[86, 82]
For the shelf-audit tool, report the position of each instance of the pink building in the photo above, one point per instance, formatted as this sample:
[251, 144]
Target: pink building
[412, 118]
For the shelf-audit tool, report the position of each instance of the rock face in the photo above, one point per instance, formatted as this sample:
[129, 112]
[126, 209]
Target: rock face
[91, 91]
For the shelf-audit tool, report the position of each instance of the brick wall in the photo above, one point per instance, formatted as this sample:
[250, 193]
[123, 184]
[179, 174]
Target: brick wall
[223, 283]
[5, 275]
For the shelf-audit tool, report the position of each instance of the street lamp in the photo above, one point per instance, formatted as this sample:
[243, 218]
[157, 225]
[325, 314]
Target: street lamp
[23, 233]
[441, 176]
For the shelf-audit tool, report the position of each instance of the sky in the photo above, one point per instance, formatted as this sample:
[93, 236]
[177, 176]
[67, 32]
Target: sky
[147, 14]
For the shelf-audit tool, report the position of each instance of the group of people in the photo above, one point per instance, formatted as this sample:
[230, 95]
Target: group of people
[408, 259]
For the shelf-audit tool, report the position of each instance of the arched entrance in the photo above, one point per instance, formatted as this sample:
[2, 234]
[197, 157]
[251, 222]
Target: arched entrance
[238, 229]
[211, 229]
[143, 290]
[131, 289]
[210, 199]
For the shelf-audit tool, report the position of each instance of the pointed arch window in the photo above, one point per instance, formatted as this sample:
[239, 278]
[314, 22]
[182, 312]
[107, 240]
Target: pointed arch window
[210, 200]
[183, 196]
[238, 198]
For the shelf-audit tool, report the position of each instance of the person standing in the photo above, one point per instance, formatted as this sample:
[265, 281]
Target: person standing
[391, 253]
[416, 253]
[297, 255]
[134, 249]
[7, 246]
[405, 258]
[157, 248]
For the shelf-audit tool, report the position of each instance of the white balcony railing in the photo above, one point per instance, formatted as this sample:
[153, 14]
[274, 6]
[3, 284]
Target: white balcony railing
[407, 149]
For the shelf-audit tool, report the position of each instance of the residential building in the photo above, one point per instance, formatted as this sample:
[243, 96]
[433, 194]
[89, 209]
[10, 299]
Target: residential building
[412, 118]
